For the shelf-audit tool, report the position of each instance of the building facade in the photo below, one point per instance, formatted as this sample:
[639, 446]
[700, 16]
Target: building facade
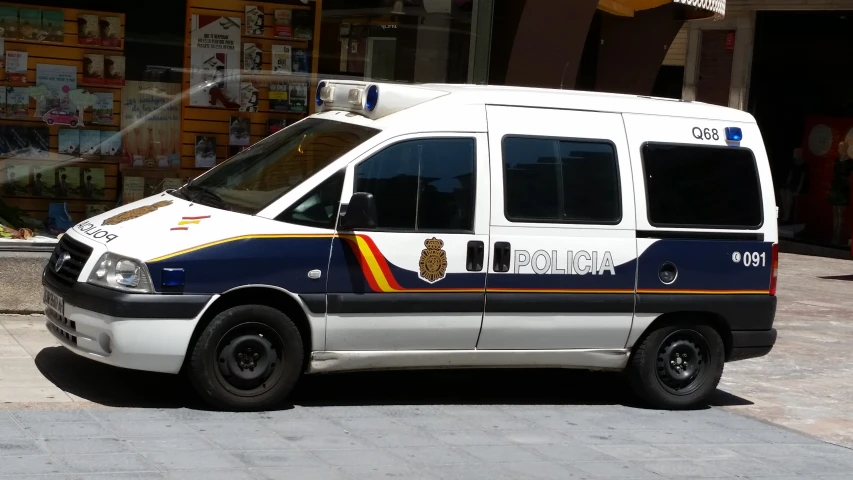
[106, 102]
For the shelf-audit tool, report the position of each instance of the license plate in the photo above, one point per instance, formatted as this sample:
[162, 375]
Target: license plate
[54, 301]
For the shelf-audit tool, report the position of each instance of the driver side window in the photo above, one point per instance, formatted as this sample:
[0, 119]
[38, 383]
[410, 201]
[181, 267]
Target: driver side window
[319, 207]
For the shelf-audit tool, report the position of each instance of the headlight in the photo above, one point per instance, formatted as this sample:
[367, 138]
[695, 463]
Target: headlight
[121, 273]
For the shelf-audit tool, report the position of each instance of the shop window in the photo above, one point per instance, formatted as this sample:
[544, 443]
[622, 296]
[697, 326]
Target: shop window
[422, 185]
[701, 187]
[560, 181]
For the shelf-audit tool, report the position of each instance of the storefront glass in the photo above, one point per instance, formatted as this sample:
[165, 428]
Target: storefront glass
[103, 102]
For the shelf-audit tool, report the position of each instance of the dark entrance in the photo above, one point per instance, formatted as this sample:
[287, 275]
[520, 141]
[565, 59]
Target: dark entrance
[802, 97]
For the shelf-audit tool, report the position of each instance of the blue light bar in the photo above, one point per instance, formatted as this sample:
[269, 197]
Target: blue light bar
[319, 89]
[173, 277]
[734, 134]
[371, 98]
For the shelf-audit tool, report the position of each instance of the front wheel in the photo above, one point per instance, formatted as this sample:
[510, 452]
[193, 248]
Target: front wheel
[678, 366]
[248, 358]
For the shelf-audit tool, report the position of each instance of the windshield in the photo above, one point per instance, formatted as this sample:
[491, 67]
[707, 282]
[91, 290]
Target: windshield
[254, 178]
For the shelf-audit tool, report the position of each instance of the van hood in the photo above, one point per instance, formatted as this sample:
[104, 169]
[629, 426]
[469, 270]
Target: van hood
[164, 224]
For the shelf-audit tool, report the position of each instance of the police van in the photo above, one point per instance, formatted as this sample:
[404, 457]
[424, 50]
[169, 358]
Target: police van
[442, 226]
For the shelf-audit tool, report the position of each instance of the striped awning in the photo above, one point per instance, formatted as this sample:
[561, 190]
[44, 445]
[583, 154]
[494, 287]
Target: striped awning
[626, 8]
[718, 7]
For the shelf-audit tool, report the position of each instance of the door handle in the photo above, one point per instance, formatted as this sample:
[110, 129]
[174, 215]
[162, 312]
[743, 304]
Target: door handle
[476, 254]
[502, 254]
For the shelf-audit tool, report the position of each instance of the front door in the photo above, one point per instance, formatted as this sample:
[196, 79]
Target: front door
[417, 281]
[562, 232]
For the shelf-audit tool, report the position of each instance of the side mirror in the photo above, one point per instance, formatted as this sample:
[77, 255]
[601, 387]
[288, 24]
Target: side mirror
[360, 212]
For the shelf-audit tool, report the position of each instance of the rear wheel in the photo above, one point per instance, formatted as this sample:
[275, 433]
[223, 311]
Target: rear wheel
[248, 358]
[678, 366]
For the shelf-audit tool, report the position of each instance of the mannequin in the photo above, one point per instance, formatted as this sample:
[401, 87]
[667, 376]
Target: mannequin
[839, 193]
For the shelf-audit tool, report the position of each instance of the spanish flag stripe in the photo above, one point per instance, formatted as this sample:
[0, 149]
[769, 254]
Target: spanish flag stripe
[234, 239]
[375, 268]
[383, 264]
[362, 261]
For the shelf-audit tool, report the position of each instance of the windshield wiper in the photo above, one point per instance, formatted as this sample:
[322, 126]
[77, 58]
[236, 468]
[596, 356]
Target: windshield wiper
[199, 192]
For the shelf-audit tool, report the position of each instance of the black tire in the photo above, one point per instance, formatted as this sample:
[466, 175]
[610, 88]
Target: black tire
[248, 358]
[665, 379]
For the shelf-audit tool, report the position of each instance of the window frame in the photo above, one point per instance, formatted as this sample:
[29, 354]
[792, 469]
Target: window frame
[557, 140]
[671, 226]
[383, 148]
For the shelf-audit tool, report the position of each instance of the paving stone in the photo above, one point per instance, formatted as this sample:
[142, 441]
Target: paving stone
[637, 452]
[169, 444]
[541, 471]
[230, 427]
[26, 417]
[386, 471]
[372, 457]
[104, 463]
[278, 458]
[85, 446]
[305, 426]
[229, 474]
[682, 469]
[250, 442]
[614, 470]
[430, 456]
[573, 453]
[301, 473]
[192, 460]
[470, 437]
[502, 454]
[50, 430]
[29, 465]
[399, 439]
[326, 442]
[150, 428]
[372, 424]
[15, 447]
[535, 437]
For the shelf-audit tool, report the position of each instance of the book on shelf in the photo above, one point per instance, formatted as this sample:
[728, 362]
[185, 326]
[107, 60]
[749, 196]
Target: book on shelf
[17, 180]
[275, 124]
[93, 183]
[110, 29]
[278, 96]
[303, 24]
[239, 131]
[110, 143]
[252, 57]
[254, 20]
[102, 111]
[90, 143]
[68, 182]
[44, 181]
[39, 141]
[298, 97]
[17, 102]
[18, 139]
[88, 29]
[69, 141]
[93, 210]
[132, 189]
[114, 68]
[283, 26]
[16, 66]
[29, 24]
[205, 151]
[93, 69]
[8, 22]
[249, 97]
[300, 63]
[281, 59]
[53, 25]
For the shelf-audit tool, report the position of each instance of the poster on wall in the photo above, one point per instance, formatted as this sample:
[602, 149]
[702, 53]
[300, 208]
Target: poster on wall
[58, 80]
[151, 124]
[215, 61]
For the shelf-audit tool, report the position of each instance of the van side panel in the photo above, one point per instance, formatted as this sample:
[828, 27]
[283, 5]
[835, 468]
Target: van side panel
[720, 272]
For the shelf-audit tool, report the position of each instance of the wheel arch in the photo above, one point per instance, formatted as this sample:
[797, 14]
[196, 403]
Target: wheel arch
[275, 297]
[652, 323]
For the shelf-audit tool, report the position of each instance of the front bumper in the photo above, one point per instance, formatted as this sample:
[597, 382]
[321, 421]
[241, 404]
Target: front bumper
[148, 332]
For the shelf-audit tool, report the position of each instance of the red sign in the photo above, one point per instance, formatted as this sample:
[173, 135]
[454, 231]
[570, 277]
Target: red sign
[730, 41]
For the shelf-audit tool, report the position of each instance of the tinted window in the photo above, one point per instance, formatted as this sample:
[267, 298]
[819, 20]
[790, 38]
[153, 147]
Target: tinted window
[422, 185]
[318, 208]
[696, 186]
[560, 181]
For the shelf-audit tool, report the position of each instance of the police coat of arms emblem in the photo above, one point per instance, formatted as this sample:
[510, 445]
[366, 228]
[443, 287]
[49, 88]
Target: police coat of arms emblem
[433, 262]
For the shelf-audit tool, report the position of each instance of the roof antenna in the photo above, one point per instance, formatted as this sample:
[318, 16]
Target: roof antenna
[563, 77]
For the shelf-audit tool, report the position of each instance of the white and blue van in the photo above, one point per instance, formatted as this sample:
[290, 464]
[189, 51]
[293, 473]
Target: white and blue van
[442, 226]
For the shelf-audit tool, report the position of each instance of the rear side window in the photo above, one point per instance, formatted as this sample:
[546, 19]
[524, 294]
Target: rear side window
[701, 187]
[551, 180]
